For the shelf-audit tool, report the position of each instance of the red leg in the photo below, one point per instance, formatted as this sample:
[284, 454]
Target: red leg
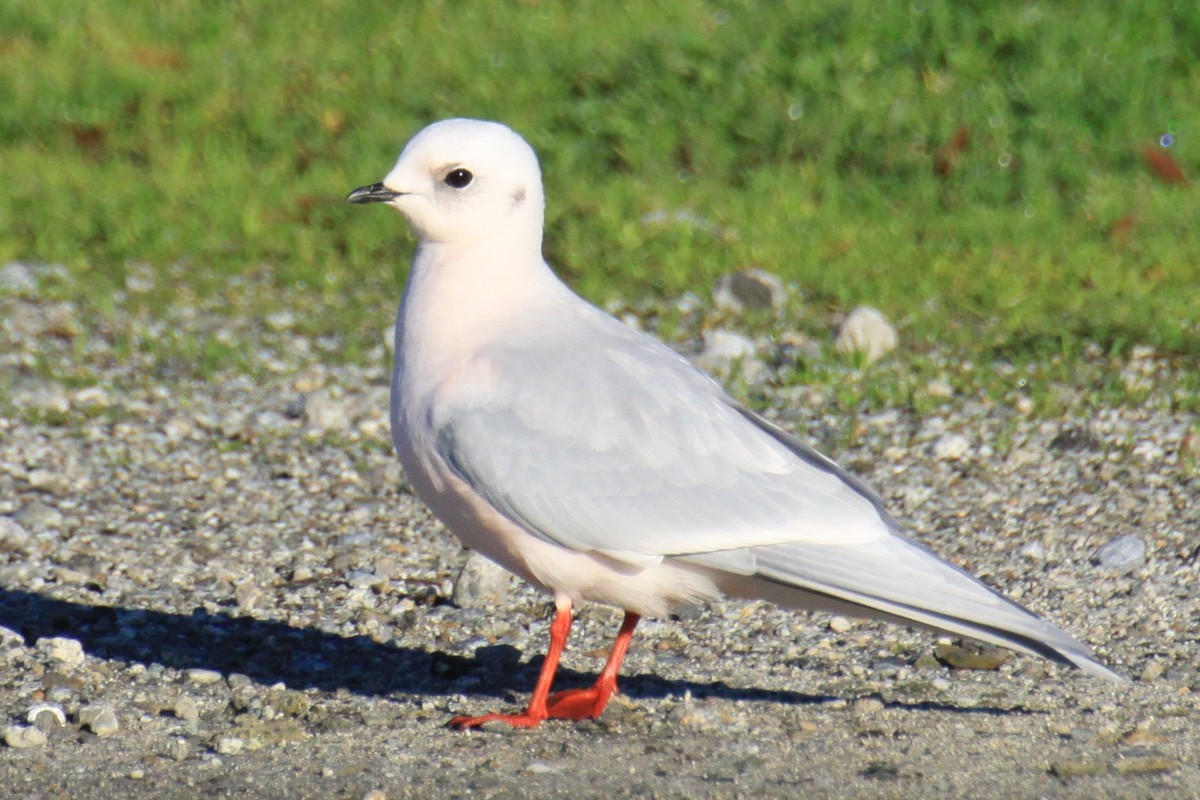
[589, 703]
[536, 712]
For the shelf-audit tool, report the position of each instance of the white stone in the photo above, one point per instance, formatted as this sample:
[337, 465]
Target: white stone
[481, 583]
[726, 352]
[951, 447]
[866, 330]
[62, 649]
[20, 737]
[325, 413]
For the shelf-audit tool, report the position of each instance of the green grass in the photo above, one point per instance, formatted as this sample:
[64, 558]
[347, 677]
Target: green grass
[211, 140]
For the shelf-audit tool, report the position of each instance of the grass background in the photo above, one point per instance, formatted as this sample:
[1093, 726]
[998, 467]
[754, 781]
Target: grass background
[984, 173]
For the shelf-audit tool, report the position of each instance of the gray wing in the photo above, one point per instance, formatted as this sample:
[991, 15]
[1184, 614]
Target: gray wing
[599, 438]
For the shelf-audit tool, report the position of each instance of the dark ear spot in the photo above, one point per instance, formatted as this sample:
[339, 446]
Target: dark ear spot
[518, 197]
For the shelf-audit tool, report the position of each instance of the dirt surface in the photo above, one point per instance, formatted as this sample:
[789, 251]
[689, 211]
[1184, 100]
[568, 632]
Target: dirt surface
[224, 588]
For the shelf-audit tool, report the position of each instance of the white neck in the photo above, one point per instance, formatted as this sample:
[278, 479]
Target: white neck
[458, 296]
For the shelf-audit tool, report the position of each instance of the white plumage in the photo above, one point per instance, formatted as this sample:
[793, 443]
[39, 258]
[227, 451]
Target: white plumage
[599, 464]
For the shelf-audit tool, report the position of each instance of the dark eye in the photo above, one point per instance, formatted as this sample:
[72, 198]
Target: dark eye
[459, 178]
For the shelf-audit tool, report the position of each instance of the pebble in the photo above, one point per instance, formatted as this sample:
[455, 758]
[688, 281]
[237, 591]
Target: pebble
[951, 447]
[186, 709]
[178, 749]
[18, 278]
[203, 677]
[750, 289]
[727, 351]
[840, 624]
[868, 705]
[61, 649]
[1121, 554]
[13, 534]
[1034, 551]
[481, 583]
[229, 745]
[47, 399]
[973, 656]
[1075, 439]
[20, 737]
[99, 719]
[1141, 765]
[93, 397]
[325, 413]
[375, 794]
[1076, 769]
[38, 517]
[867, 331]
[1153, 671]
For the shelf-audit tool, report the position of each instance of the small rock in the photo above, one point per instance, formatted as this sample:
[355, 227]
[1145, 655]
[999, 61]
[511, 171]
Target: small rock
[1141, 765]
[325, 413]
[480, 583]
[726, 351]
[280, 320]
[93, 397]
[100, 720]
[1075, 769]
[1121, 554]
[18, 278]
[541, 768]
[1034, 551]
[374, 794]
[176, 429]
[13, 535]
[840, 624]
[939, 388]
[1071, 438]
[46, 716]
[38, 517]
[46, 480]
[203, 677]
[866, 330]
[247, 595]
[868, 705]
[951, 447]
[751, 289]
[62, 649]
[47, 398]
[1140, 737]
[229, 745]
[970, 655]
[20, 737]
[1153, 671]
[186, 709]
[178, 749]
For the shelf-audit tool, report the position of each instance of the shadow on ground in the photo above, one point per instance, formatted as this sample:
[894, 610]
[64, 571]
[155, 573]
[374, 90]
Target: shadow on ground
[307, 658]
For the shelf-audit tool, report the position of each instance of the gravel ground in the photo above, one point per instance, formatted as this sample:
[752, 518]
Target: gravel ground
[224, 588]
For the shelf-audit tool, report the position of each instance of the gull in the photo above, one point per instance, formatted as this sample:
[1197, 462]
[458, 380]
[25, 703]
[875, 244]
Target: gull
[598, 464]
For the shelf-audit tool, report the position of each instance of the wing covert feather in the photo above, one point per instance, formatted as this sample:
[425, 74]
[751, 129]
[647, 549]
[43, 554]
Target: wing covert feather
[601, 438]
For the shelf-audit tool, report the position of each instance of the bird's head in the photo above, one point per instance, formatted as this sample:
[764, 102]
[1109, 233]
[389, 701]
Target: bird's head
[460, 180]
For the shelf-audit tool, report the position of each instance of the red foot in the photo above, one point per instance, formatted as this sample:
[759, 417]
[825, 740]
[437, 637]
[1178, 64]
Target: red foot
[579, 704]
[525, 720]
[573, 704]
